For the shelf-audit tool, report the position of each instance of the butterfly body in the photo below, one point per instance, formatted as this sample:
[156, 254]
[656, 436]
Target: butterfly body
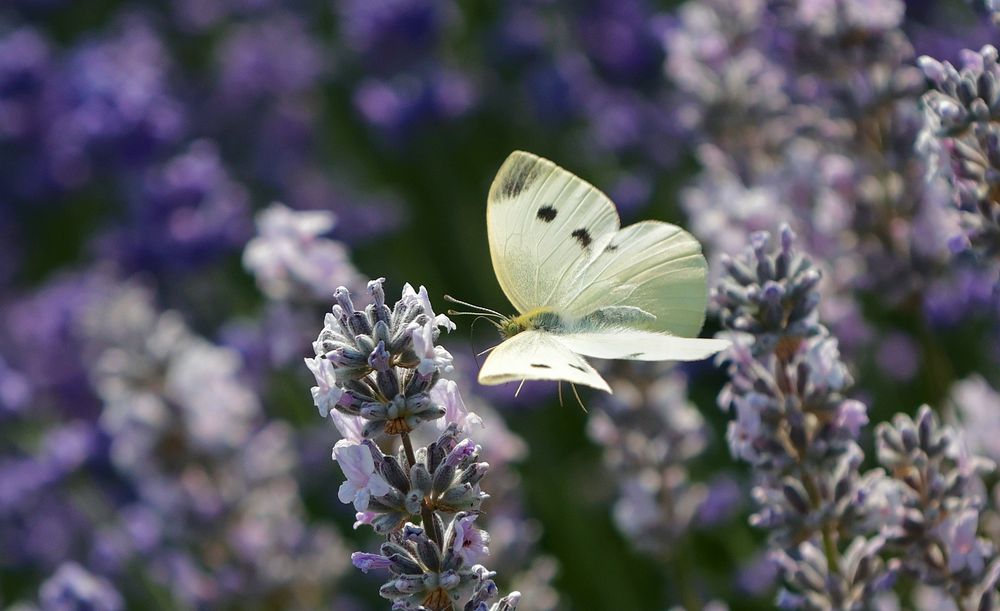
[582, 284]
[539, 318]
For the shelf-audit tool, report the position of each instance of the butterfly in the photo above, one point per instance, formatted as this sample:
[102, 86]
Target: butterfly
[584, 286]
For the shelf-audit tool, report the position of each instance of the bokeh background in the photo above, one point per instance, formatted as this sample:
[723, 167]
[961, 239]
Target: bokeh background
[158, 445]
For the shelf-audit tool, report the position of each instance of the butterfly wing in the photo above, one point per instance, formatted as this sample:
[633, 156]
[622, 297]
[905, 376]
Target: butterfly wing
[639, 345]
[652, 266]
[538, 355]
[556, 245]
[543, 224]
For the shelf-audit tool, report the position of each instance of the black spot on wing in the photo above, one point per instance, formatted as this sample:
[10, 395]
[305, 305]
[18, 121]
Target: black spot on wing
[541, 366]
[517, 180]
[547, 213]
[582, 236]
[633, 355]
[611, 247]
[577, 367]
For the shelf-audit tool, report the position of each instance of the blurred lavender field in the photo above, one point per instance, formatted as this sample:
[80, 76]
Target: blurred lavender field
[185, 183]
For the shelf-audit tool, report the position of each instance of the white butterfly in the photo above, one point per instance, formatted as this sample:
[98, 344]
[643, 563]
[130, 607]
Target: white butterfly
[584, 286]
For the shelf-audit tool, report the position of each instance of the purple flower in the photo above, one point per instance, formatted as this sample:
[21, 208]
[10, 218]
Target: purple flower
[367, 562]
[15, 389]
[619, 38]
[432, 358]
[470, 542]
[350, 427]
[288, 256]
[24, 70]
[113, 98]
[445, 393]
[363, 518]
[420, 298]
[465, 449]
[327, 393]
[977, 405]
[744, 431]
[964, 549]
[275, 56]
[188, 211]
[363, 483]
[388, 34]
[72, 588]
[396, 107]
[852, 415]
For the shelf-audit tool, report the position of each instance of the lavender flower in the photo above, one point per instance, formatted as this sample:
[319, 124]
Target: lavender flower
[270, 57]
[189, 210]
[113, 100]
[379, 366]
[362, 481]
[938, 484]
[188, 438]
[961, 139]
[975, 405]
[782, 101]
[649, 432]
[799, 433]
[289, 257]
[389, 34]
[72, 588]
[796, 428]
[425, 579]
[374, 370]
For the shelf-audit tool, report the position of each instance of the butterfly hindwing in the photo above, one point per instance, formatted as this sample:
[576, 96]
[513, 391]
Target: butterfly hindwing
[655, 267]
[538, 355]
[638, 345]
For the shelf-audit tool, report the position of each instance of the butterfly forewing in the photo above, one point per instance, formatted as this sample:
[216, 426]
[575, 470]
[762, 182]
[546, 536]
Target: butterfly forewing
[544, 225]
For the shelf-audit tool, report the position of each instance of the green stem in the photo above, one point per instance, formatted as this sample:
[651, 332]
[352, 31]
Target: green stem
[426, 515]
[829, 543]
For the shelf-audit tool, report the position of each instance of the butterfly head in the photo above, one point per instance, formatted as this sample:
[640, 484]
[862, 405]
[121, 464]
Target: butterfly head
[509, 326]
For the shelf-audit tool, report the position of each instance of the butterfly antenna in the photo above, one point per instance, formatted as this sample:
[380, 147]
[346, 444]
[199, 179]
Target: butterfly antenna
[578, 399]
[451, 299]
[560, 393]
[472, 328]
[490, 349]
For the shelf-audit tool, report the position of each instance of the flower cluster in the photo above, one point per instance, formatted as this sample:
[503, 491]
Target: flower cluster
[794, 425]
[380, 364]
[804, 113]
[290, 259]
[649, 432]
[937, 503]
[840, 535]
[376, 371]
[184, 474]
[962, 138]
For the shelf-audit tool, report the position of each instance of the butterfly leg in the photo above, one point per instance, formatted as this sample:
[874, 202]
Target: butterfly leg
[578, 399]
[519, 387]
